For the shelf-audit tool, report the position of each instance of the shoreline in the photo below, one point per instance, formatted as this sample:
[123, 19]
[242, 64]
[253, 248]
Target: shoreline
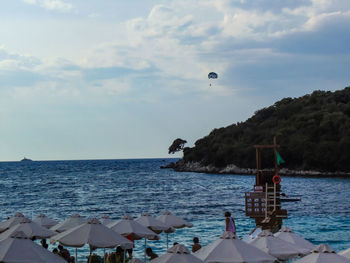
[197, 167]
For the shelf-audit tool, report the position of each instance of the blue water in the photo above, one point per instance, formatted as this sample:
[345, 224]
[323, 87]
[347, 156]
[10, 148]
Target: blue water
[116, 187]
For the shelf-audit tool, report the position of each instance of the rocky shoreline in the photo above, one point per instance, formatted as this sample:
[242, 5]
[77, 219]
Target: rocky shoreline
[181, 166]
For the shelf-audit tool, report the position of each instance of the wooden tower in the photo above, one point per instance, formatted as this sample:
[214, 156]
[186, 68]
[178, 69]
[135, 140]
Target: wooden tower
[264, 203]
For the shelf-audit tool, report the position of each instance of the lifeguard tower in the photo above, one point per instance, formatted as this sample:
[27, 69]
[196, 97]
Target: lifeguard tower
[264, 203]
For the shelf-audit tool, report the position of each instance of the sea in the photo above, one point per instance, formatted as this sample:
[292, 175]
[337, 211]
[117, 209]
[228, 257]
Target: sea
[93, 188]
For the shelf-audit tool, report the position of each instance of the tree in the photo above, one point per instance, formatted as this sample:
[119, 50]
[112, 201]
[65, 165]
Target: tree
[176, 146]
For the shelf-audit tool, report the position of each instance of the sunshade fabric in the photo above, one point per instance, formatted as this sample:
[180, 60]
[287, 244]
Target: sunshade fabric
[172, 220]
[177, 254]
[73, 221]
[323, 254]
[275, 246]
[19, 249]
[128, 227]
[153, 224]
[229, 249]
[93, 233]
[45, 221]
[29, 228]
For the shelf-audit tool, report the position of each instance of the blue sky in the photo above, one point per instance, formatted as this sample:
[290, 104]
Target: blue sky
[92, 79]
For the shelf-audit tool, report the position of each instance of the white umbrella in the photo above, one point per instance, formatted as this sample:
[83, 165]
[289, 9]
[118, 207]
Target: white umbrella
[177, 254]
[105, 220]
[73, 221]
[30, 229]
[174, 221]
[130, 228]
[19, 249]
[45, 221]
[133, 230]
[11, 222]
[323, 254]
[229, 249]
[275, 246]
[92, 233]
[288, 235]
[345, 253]
[153, 224]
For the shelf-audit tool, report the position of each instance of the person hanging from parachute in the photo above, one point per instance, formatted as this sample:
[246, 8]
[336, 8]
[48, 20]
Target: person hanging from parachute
[212, 75]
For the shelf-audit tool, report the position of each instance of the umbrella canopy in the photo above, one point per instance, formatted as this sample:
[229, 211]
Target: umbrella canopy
[177, 254]
[29, 228]
[345, 253]
[93, 233]
[275, 246]
[288, 235]
[11, 222]
[173, 220]
[105, 220]
[153, 224]
[44, 221]
[229, 249]
[19, 249]
[73, 221]
[323, 254]
[128, 227]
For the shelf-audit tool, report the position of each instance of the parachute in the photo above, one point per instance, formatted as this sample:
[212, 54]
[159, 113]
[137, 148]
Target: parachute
[212, 75]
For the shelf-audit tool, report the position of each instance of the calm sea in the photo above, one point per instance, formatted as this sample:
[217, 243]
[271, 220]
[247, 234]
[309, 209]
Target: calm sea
[116, 187]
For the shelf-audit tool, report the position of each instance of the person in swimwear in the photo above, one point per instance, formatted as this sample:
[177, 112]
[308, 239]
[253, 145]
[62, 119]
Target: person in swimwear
[230, 223]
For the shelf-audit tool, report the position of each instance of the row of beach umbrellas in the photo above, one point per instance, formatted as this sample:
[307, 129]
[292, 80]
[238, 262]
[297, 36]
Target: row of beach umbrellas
[76, 231]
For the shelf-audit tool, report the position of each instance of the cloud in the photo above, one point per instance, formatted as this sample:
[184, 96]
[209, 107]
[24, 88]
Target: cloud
[58, 5]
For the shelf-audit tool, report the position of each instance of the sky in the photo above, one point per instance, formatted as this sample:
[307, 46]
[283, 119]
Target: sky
[110, 79]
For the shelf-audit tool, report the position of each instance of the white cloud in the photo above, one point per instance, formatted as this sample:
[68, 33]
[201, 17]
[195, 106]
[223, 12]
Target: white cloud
[58, 5]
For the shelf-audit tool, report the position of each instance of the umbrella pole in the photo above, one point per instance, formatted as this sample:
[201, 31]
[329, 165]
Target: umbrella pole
[76, 255]
[124, 255]
[104, 253]
[89, 260]
[144, 251]
[167, 246]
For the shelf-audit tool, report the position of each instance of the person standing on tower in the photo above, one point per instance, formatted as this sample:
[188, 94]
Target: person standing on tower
[230, 223]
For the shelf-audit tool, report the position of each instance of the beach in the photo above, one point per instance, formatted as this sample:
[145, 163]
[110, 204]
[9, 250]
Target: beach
[118, 187]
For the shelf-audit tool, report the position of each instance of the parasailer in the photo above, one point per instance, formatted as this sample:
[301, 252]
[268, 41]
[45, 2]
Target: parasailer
[212, 75]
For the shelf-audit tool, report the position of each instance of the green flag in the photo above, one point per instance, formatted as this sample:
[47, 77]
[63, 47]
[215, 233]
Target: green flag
[279, 159]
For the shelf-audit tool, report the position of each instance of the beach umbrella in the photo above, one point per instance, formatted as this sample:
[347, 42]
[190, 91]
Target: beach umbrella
[153, 224]
[45, 221]
[19, 249]
[275, 246]
[128, 227]
[177, 254]
[345, 253]
[172, 220]
[323, 254]
[73, 221]
[288, 235]
[11, 222]
[253, 234]
[29, 228]
[105, 220]
[229, 249]
[93, 233]
[133, 230]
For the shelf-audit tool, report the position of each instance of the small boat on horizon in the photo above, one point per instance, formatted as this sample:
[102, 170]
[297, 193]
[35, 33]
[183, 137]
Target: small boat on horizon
[26, 160]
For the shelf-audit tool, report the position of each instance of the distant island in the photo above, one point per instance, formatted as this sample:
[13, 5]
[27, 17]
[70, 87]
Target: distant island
[26, 160]
[313, 132]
